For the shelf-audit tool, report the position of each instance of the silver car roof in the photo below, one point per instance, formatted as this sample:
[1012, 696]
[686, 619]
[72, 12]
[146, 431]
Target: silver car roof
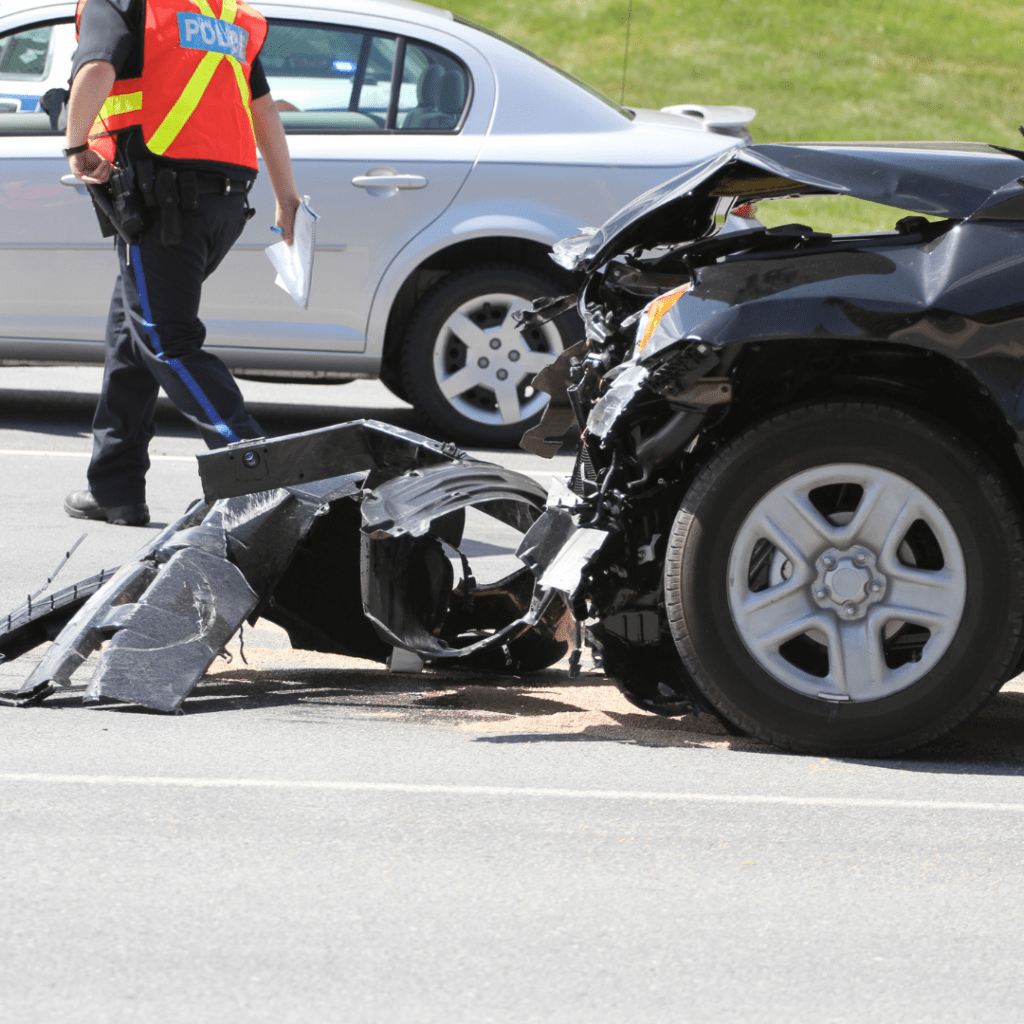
[380, 7]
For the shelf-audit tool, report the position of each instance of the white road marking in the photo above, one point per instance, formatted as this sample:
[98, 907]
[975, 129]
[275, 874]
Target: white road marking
[88, 454]
[509, 791]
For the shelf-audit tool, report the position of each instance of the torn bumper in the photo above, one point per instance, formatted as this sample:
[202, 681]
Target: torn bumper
[347, 537]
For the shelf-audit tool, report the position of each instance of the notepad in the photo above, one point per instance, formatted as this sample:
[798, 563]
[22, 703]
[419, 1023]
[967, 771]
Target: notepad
[294, 263]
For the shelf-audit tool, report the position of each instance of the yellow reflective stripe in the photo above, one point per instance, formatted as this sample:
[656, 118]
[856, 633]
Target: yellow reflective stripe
[205, 8]
[243, 89]
[228, 11]
[185, 104]
[123, 104]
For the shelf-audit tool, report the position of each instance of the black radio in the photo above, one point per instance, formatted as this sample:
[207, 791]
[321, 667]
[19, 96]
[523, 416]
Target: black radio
[118, 206]
[126, 202]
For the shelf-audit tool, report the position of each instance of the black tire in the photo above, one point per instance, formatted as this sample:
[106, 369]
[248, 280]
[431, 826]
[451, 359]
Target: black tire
[766, 686]
[394, 383]
[432, 354]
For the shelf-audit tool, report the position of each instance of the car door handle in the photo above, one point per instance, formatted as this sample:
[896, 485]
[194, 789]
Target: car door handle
[73, 182]
[389, 181]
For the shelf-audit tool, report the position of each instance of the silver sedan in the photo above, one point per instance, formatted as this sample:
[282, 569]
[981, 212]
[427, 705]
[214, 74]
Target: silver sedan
[444, 162]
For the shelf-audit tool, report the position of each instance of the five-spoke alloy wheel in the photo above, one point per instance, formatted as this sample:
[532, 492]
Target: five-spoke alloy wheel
[466, 366]
[847, 578]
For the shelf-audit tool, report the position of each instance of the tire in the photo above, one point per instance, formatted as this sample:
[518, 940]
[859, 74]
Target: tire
[847, 579]
[465, 366]
[394, 383]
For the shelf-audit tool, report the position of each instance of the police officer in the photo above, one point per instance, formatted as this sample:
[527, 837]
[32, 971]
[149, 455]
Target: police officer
[174, 91]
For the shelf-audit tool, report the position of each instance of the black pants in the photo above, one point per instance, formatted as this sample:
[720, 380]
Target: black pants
[155, 339]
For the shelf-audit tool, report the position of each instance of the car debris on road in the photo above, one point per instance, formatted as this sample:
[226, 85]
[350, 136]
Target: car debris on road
[342, 536]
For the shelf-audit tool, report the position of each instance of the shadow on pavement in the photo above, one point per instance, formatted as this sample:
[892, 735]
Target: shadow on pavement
[990, 743]
[544, 707]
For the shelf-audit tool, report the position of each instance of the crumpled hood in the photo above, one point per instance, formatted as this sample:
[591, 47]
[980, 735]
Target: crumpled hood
[938, 179]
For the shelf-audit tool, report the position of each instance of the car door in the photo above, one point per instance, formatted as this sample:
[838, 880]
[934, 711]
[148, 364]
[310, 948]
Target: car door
[380, 152]
[56, 271]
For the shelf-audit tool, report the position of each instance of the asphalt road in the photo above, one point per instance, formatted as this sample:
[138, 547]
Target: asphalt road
[318, 840]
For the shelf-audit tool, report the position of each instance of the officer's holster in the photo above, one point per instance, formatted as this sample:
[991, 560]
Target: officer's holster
[118, 207]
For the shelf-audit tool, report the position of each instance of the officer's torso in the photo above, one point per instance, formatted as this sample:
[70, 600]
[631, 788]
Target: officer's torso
[175, 55]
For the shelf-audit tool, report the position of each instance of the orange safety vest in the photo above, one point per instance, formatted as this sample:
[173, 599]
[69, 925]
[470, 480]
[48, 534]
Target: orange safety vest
[192, 99]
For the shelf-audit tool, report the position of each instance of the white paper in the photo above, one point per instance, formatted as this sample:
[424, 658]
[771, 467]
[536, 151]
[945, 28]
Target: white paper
[294, 263]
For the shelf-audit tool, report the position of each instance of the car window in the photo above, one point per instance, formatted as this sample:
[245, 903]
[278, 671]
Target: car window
[433, 91]
[329, 78]
[32, 61]
[23, 55]
[624, 111]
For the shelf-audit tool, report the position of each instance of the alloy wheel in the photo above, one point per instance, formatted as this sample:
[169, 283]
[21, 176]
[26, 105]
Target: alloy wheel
[484, 366]
[847, 582]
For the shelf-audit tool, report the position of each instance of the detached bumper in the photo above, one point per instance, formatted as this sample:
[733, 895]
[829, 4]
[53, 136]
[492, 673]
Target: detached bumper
[345, 536]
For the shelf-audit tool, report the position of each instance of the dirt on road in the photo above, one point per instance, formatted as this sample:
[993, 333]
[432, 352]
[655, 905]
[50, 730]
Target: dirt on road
[539, 705]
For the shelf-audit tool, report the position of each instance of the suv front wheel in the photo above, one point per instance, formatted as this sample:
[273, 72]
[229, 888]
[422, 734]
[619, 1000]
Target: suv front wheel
[465, 365]
[847, 579]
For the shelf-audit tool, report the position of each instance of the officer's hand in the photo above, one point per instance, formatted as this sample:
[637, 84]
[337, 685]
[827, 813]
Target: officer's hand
[285, 217]
[90, 167]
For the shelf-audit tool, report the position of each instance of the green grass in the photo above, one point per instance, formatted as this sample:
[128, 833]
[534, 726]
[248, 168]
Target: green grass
[835, 214]
[814, 69]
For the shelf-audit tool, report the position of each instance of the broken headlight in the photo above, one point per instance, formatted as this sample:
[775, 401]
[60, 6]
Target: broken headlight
[654, 312]
[570, 252]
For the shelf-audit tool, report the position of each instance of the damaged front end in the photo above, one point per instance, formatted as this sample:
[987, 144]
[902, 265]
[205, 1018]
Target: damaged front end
[602, 539]
[350, 538]
[698, 336]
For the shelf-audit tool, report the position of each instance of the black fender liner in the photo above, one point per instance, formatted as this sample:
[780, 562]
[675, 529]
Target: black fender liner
[407, 579]
[170, 610]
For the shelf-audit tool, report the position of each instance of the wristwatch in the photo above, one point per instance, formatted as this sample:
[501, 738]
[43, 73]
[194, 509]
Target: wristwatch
[76, 149]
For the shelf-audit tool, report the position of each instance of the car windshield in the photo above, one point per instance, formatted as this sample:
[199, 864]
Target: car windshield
[624, 111]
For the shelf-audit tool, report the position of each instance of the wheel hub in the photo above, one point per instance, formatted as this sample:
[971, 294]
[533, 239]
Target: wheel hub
[848, 582]
[484, 365]
[831, 566]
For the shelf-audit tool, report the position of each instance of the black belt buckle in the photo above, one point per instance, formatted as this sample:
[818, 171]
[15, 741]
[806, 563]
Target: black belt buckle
[231, 186]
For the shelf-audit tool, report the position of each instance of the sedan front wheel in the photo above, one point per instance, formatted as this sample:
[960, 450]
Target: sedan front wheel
[467, 368]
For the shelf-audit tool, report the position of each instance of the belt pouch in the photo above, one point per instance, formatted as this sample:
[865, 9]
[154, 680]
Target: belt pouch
[126, 203]
[147, 181]
[188, 190]
[170, 211]
[106, 228]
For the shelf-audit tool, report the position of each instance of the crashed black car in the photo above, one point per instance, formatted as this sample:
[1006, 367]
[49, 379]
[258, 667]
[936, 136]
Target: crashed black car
[805, 448]
[796, 502]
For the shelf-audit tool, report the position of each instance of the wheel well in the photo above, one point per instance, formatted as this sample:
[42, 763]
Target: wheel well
[769, 376]
[521, 251]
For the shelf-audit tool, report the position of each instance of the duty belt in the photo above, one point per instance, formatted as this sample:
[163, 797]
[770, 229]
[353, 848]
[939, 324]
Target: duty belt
[219, 184]
[173, 191]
